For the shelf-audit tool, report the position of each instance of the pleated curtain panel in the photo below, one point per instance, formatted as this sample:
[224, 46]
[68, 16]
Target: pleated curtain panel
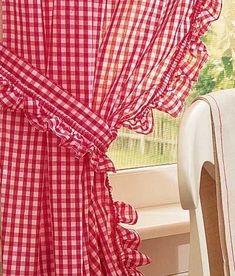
[72, 73]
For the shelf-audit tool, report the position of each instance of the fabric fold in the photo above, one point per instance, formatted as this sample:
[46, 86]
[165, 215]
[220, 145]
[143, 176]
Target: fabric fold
[181, 70]
[100, 66]
[118, 245]
[128, 240]
[49, 107]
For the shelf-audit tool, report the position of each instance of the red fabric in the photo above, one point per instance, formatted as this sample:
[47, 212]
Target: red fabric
[71, 74]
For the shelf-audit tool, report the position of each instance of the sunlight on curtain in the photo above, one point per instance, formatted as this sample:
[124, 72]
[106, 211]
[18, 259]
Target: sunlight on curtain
[137, 150]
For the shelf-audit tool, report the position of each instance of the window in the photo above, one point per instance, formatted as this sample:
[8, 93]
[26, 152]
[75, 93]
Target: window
[133, 150]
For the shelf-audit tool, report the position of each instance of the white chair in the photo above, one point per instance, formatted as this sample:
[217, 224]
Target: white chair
[196, 177]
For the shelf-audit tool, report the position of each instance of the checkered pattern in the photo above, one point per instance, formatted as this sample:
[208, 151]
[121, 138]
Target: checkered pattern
[72, 73]
[150, 56]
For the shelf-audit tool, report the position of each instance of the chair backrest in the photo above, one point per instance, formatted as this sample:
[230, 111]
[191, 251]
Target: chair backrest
[195, 147]
[198, 186]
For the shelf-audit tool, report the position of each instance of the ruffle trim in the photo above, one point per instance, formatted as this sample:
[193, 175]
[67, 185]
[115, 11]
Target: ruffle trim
[183, 70]
[38, 115]
[128, 240]
[112, 247]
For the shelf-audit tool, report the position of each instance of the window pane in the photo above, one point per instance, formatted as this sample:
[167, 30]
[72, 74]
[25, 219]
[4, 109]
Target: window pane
[136, 150]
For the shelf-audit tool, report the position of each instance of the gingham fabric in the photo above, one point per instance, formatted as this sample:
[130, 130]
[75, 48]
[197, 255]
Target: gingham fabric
[71, 74]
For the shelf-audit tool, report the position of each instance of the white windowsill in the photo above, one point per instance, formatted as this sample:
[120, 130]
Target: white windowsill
[161, 221]
[146, 187]
[153, 191]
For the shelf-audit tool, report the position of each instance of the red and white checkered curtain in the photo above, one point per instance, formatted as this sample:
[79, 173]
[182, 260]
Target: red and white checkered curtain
[71, 74]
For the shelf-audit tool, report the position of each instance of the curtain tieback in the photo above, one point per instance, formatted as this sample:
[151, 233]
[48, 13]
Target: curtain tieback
[50, 108]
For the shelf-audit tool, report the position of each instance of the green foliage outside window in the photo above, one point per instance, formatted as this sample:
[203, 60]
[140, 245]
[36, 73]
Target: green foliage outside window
[219, 72]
